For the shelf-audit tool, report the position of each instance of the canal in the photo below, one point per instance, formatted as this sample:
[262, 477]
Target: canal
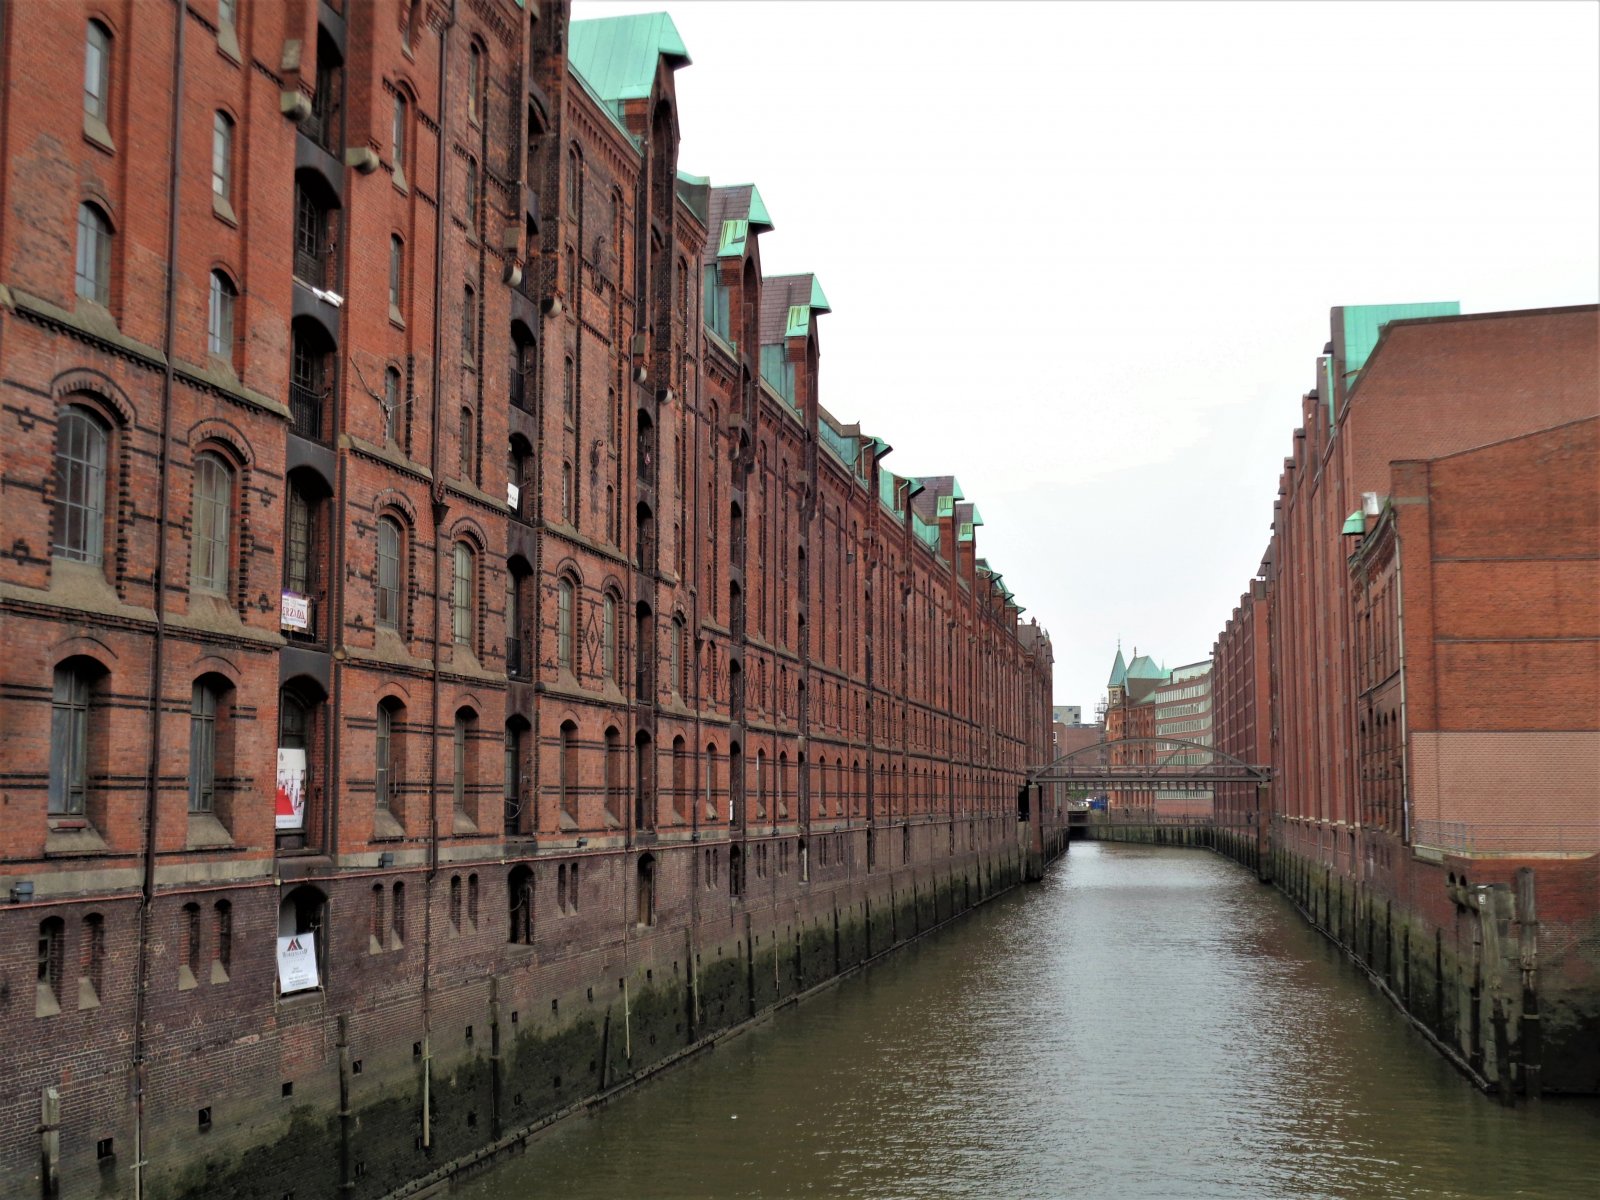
[1146, 1023]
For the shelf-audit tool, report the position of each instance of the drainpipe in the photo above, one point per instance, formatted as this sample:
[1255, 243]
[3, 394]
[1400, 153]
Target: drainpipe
[147, 884]
[440, 509]
[1400, 649]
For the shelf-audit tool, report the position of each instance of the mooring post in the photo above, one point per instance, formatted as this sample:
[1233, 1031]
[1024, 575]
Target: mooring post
[50, 1142]
[1531, 1041]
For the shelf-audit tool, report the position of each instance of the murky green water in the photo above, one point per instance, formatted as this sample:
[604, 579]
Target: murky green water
[1147, 1023]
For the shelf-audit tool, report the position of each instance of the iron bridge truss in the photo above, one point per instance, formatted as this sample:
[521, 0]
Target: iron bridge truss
[1166, 762]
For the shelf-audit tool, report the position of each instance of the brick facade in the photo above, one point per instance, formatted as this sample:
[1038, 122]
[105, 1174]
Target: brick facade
[1429, 692]
[615, 659]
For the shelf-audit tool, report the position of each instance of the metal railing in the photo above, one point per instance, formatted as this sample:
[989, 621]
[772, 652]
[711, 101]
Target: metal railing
[1507, 837]
[305, 411]
[311, 268]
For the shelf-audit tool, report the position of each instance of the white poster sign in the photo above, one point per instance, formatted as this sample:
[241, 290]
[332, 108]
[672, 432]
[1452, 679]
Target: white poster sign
[295, 611]
[513, 496]
[297, 962]
[290, 806]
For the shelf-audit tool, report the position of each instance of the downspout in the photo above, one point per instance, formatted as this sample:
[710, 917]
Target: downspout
[1400, 638]
[147, 885]
[440, 508]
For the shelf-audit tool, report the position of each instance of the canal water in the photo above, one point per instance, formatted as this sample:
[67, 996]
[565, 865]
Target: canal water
[1147, 1023]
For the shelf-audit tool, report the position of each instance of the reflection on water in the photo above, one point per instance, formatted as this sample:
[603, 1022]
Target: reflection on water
[1147, 1023]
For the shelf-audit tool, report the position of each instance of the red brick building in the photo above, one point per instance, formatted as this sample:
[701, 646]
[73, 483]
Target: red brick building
[442, 620]
[1432, 641]
[1242, 723]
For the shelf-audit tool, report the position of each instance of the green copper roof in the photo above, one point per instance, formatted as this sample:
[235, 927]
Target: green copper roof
[819, 302]
[617, 56]
[799, 323]
[966, 532]
[1119, 671]
[947, 506]
[758, 211]
[1144, 667]
[735, 230]
[1355, 523]
[1363, 323]
[734, 234]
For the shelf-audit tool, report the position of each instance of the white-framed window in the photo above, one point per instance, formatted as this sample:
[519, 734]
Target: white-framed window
[213, 512]
[219, 320]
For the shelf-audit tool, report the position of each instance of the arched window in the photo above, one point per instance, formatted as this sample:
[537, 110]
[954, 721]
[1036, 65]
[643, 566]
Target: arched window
[461, 596]
[513, 796]
[568, 508]
[608, 634]
[467, 439]
[80, 486]
[219, 320]
[299, 552]
[209, 704]
[472, 194]
[568, 773]
[566, 643]
[388, 761]
[393, 406]
[474, 88]
[711, 782]
[469, 325]
[314, 205]
[644, 781]
[761, 784]
[297, 730]
[614, 765]
[398, 136]
[221, 941]
[462, 774]
[388, 586]
[222, 156]
[519, 898]
[397, 917]
[375, 920]
[682, 796]
[91, 959]
[93, 271]
[52, 952]
[213, 509]
[569, 390]
[97, 74]
[71, 748]
[397, 266]
[303, 955]
[675, 656]
[647, 889]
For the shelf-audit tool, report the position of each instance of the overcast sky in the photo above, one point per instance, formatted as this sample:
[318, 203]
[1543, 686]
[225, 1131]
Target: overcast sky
[1081, 256]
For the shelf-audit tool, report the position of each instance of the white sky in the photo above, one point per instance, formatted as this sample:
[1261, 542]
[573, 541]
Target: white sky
[1081, 256]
